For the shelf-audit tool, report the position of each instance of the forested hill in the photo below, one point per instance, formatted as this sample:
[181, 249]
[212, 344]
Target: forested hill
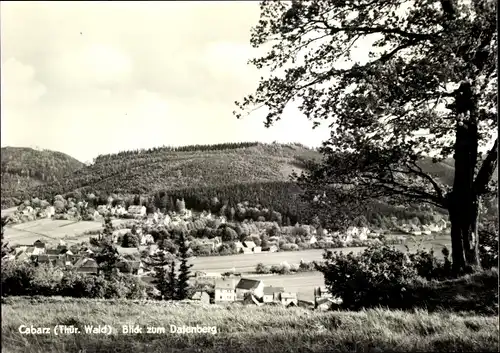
[232, 172]
[24, 168]
[167, 168]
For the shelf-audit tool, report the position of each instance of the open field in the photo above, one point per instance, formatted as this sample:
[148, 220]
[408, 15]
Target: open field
[8, 211]
[246, 263]
[240, 329]
[51, 231]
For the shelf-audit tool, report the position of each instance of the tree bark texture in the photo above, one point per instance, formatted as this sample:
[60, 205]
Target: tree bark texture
[463, 202]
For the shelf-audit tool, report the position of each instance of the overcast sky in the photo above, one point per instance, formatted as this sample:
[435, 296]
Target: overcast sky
[95, 78]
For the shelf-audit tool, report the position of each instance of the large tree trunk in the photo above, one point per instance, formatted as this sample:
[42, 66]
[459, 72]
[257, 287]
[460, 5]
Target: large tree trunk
[463, 202]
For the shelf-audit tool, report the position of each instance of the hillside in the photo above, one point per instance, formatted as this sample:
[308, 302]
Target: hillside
[24, 168]
[232, 172]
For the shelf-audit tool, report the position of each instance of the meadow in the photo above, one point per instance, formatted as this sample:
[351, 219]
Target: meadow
[240, 328]
[51, 231]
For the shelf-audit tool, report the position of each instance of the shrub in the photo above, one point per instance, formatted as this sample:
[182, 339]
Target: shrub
[17, 278]
[130, 241]
[429, 267]
[275, 269]
[488, 245]
[262, 269]
[45, 281]
[375, 277]
[289, 247]
[306, 266]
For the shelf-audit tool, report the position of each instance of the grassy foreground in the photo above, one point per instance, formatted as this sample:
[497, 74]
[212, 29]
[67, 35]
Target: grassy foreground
[241, 328]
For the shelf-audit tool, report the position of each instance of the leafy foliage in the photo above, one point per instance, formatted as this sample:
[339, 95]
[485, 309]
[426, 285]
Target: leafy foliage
[184, 269]
[24, 168]
[427, 89]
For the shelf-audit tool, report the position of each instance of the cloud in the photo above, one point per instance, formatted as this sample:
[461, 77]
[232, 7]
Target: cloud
[90, 78]
[93, 65]
[19, 85]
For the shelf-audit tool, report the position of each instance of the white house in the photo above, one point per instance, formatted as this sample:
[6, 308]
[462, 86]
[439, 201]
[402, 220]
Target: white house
[137, 211]
[273, 248]
[247, 251]
[288, 298]
[252, 286]
[147, 239]
[257, 249]
[166, 220]
[225, 290]
[50, 211]
[312, 239]
[239, 246]
[103, 209]
[120, 210]
[249, 244]
[272, 294]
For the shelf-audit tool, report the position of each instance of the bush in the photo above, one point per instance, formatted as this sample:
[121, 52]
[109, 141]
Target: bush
[429, 267]
[289, 247]
[17, 278]
[262, 269]
[488, 245]
[130, 241]
[377, 276]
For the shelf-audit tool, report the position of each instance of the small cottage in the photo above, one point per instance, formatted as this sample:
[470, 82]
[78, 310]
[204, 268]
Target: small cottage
[245, 285]
[272, 294]
[288, 298]
[202, 297]
[249, 244]
[225, 290]
[239, 246]
[87, 265]
[137, 211]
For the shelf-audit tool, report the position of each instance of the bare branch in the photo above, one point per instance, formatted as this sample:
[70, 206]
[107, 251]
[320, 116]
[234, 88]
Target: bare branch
[486, 171]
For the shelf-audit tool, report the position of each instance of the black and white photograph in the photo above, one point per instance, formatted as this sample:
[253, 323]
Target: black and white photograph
[249, 176]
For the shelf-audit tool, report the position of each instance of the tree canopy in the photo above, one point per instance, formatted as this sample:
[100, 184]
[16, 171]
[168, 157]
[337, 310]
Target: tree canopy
[424, 89]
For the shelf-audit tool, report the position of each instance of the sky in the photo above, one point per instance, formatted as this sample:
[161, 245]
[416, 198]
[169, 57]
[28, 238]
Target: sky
[90, 78]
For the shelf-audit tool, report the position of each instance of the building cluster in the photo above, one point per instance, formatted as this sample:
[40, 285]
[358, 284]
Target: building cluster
[234, 289]
[62, 256]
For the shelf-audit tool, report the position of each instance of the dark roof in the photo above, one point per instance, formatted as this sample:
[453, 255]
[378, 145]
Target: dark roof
[43, 258]
[246, 283]
[271, 290]
[52, 252]
[39, 244]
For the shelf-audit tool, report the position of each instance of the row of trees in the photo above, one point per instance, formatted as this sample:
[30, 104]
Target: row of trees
[163, 149]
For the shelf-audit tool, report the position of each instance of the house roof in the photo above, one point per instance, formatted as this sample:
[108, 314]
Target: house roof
[248, 284]
[39, 243]
[249, 244]
[198, 295]
[288, 295]
[271, 290]
[52, 251]
[224, 283]
[43, 258]
[86, 262]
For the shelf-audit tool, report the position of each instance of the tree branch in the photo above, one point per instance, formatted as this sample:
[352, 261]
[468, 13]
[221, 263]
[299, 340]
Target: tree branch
[437, 188]
[486, 171]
